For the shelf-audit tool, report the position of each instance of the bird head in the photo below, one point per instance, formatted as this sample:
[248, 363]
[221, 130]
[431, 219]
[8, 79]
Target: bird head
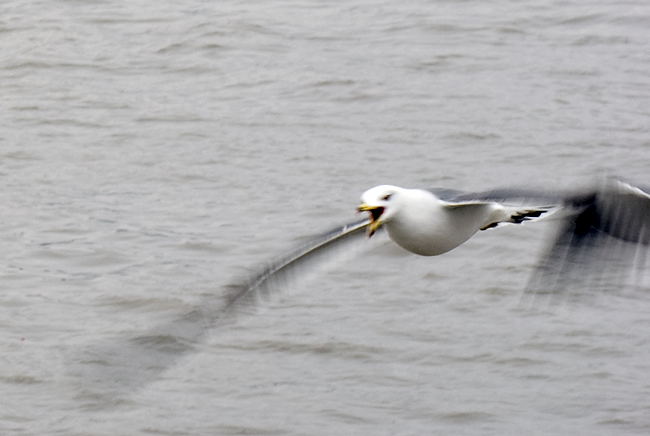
[379, 201]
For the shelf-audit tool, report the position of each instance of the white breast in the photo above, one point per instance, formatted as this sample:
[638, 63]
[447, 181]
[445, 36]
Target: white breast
[427, 226]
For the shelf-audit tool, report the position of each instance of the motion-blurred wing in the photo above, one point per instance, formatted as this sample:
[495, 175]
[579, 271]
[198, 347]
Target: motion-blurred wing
[598, 245]
[106, 371]
[279, 271]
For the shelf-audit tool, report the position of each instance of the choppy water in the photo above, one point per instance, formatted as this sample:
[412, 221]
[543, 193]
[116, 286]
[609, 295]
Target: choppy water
[152, 152]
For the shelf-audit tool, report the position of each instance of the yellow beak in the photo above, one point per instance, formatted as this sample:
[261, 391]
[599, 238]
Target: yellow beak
[376, 213]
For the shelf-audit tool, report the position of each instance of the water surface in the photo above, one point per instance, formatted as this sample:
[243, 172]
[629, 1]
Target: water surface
[152, 153]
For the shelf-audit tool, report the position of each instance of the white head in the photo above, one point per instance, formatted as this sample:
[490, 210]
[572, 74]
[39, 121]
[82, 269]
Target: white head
[381, 202]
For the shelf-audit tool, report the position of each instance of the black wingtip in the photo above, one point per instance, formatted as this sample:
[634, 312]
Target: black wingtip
[599, 245]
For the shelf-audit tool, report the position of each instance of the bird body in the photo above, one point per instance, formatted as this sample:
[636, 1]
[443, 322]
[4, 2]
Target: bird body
[420, 222]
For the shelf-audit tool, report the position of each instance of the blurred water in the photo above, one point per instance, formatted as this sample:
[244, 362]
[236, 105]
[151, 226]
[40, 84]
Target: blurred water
[151, 153]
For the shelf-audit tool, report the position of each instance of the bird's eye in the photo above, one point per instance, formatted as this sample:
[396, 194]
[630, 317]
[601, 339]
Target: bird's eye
[386, 197]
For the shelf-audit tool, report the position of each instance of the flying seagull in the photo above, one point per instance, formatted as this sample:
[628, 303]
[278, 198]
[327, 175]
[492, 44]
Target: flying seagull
[601, 230]
[598, 227]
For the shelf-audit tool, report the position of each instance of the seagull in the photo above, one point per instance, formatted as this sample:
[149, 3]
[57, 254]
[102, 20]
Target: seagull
[423, 223]
[598, 227]
[601, 229]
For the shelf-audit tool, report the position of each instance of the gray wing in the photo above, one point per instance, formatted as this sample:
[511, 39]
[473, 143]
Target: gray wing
[601, 245]
[108, 370]
[278, 271]
[603, 234]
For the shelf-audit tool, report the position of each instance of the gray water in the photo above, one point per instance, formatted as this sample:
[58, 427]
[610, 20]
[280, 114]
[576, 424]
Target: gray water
[153, 152]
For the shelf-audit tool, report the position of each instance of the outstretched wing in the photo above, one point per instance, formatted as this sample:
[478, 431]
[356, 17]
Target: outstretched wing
[603, 234]
[279, 271]
[598, 245]
[109, 370]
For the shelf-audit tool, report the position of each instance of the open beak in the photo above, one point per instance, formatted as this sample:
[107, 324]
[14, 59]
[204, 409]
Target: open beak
[376, 212]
